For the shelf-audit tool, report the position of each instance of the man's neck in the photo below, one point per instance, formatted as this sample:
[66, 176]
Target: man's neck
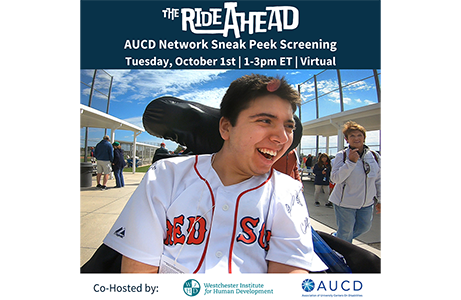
[224, 168]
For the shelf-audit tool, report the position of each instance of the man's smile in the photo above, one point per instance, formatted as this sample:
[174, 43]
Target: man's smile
[267, 153]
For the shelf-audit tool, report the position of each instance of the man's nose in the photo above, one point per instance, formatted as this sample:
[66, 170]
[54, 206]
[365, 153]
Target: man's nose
[280, 135]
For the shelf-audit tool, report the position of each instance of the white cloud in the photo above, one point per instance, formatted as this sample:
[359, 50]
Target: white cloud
[331, 88]
[360, 85]
[135, 121]
[211, 97]
[154, 83]
[368, 102]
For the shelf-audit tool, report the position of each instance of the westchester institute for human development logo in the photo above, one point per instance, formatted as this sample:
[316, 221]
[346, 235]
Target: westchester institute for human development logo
[191, 287]
[308, 285]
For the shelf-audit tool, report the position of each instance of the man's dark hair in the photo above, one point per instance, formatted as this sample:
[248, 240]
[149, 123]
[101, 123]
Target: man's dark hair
[249, 87]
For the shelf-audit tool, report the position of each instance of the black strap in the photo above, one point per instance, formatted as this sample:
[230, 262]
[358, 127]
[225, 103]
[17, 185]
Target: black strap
[372, 152]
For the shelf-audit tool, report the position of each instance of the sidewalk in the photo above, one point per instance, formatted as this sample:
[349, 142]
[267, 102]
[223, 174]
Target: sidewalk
[99, 210]
[326, 220]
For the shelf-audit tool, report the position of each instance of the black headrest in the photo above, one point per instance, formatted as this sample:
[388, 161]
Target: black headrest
[191, 124]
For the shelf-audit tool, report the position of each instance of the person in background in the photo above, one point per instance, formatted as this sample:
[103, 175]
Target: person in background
[308, 162]
[93, 159]
[288, 164]
[159, 152]
[357, 175]
[322, 170]
[118, 165]
[104, 154]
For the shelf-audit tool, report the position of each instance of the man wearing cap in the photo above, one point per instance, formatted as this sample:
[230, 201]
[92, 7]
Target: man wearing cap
[104, 153]
[160, 152]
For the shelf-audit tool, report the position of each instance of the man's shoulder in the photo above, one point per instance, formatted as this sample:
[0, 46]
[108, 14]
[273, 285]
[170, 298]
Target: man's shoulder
[341, 152]
[285, 182]
[104, 143]
[162, 150]
[180, 161]
[179, 167]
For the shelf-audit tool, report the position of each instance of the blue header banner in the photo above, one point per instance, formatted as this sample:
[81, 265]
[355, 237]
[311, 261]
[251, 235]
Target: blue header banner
[231, 35]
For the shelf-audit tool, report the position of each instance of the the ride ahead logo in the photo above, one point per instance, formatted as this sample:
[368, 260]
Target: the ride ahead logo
[340, 288]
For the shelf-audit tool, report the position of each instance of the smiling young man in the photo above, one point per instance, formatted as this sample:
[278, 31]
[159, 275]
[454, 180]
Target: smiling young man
[229, 212]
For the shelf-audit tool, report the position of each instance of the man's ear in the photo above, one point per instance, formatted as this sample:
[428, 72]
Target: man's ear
[224, 128]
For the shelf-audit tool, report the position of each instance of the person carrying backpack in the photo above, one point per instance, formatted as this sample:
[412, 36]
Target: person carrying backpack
[356, 171]
[322, 171]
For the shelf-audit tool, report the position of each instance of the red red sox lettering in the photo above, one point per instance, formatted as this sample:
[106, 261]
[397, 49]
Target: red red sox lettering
[197, 232]
[248, 224]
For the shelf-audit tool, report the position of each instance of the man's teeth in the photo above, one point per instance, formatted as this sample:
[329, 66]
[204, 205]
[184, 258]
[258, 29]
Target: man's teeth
[268, 152]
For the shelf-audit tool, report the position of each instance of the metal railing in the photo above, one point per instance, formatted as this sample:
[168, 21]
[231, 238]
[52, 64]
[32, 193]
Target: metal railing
[334, 91]
[95, 89]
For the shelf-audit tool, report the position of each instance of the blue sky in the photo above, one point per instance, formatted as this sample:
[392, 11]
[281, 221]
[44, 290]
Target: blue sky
[133, 90]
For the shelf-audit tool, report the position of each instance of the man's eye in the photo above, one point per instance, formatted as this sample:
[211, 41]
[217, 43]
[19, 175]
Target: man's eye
[290, 128]
[267, 121]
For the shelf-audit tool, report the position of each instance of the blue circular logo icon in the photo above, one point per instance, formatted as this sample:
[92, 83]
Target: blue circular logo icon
[308, 285]
[191, 287]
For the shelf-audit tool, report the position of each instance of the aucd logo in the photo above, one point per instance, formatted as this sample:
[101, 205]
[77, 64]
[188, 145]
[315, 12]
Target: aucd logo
[191, 287]
[308, 285]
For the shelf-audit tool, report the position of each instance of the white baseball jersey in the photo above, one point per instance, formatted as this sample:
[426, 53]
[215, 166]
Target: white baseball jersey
[183, 211]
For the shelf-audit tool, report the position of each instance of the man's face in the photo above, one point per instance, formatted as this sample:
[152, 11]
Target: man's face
[356, 139]
[262, 134]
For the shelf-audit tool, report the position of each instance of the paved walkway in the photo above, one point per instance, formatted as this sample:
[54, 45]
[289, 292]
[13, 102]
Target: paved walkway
[99, 210]
[326, 216]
